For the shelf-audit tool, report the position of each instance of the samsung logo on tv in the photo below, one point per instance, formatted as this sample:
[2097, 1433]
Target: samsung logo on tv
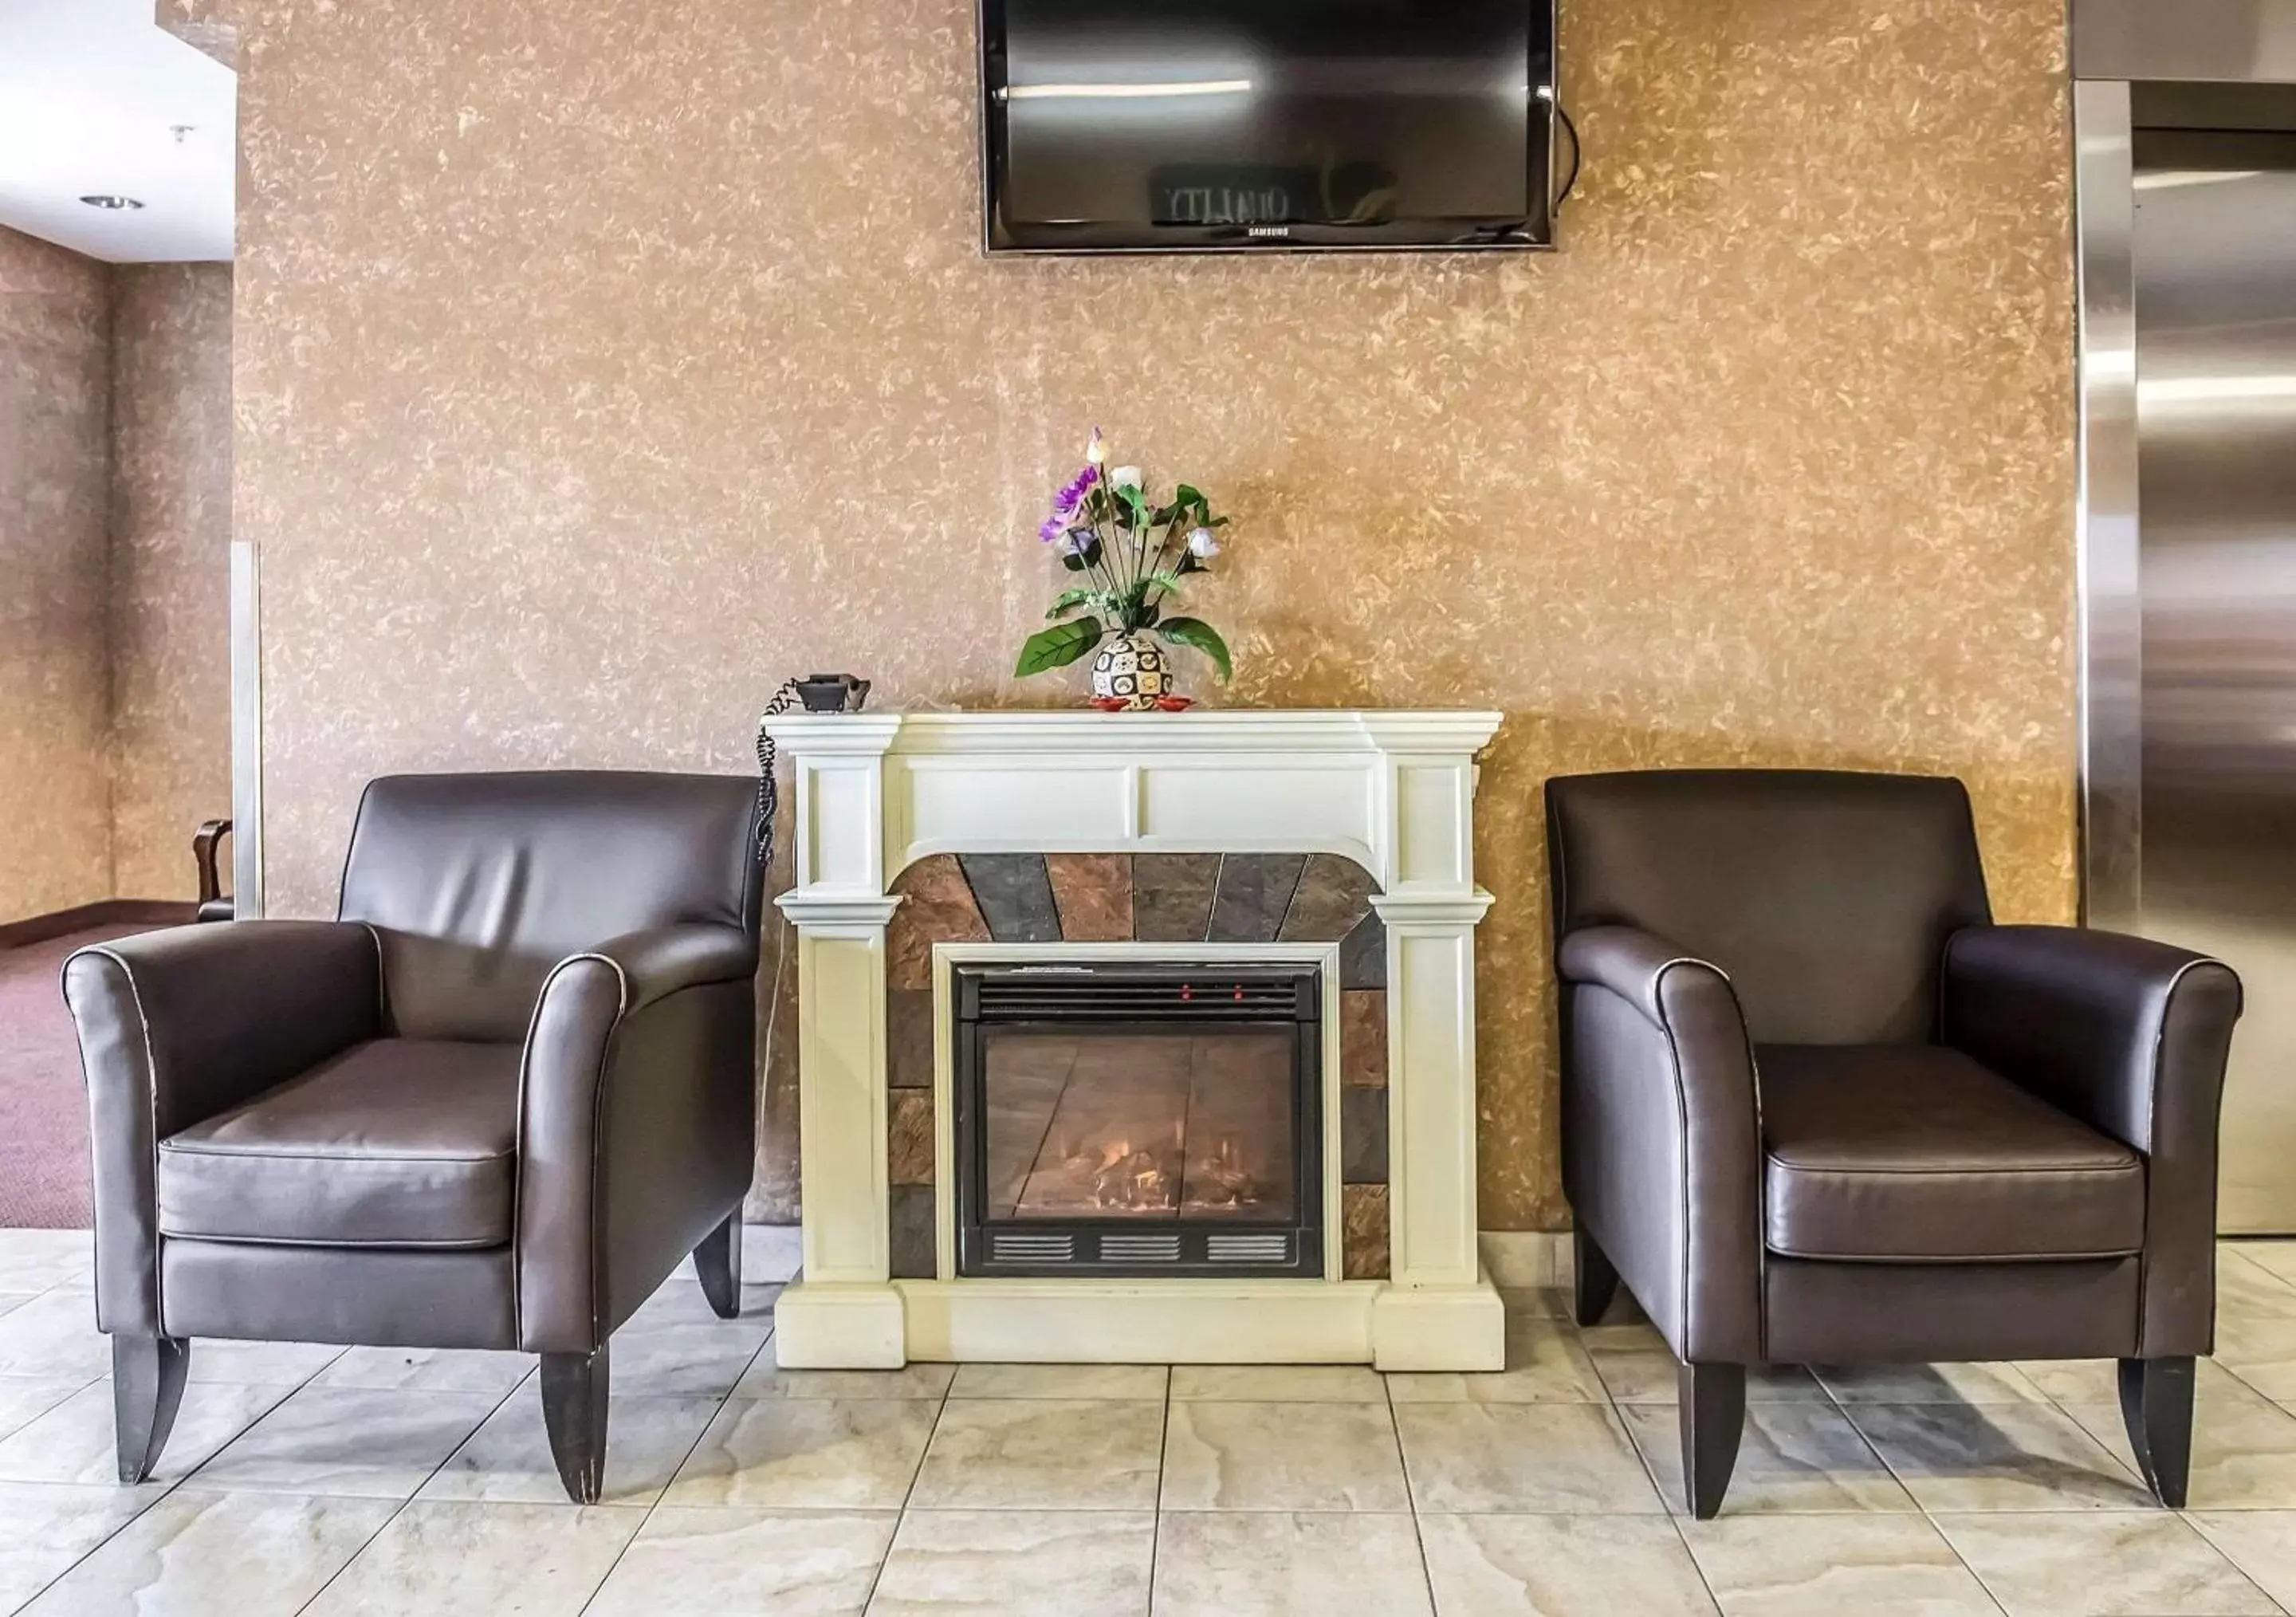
[1267, 230]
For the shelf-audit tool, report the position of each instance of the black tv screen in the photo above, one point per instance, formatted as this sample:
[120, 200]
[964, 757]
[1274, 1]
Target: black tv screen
[1130, 126]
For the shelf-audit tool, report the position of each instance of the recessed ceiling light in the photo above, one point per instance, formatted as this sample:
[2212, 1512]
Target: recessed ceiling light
[114, 203]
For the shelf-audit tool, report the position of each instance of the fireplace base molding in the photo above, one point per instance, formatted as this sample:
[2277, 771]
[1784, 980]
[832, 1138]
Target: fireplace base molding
[1391, 792]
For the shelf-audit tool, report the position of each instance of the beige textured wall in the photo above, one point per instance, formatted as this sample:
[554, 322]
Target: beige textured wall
[170, 594]
[55, 839]
[599, 366]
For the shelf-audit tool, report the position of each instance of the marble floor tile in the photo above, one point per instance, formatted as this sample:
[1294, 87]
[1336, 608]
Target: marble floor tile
[195, 1554]
[341, 1440]
[25, 1399]
[266, 1364]
[1560, 1566]
[1043, 1453]
[2262, 1543]
[2098, 1381]
[440, 1555]
[2102, 1564]
[1791, 1457]
[1059, 1381]
[1282, 1457]
[34, 1260]
[53, 1338]
[1945, 1384]
[44, 1528]
[508, 1457]
[1536, 1302]
[9, 1302]
[707, 1561]
[1829, 1567]
[1280, 1383]
[675, 1347]
[1997, 1456]
[426, 1369]
[2273, 1256]
[1019, 1564]
[1646, 1376]
[1570, 1458]
[1269, 1563]
[807, 1453]
[767, 1379]
[75, 1441]
[2243, 1448]
[1546, 1363]
[2259, 1349]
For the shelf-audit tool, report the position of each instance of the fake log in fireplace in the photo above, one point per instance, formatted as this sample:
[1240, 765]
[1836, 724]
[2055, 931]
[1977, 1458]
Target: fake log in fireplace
[1139, 1119]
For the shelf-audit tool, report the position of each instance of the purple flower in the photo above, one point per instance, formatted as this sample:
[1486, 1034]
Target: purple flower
[1065, 503]
[1053, 528]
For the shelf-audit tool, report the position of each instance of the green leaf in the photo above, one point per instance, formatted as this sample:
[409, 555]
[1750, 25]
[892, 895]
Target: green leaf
[1057, 646]
[1069, 601]
[1170, 582]
[1198, 635]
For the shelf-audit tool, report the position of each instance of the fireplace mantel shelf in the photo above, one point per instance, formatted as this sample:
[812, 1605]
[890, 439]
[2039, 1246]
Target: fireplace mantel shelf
[1393, 791]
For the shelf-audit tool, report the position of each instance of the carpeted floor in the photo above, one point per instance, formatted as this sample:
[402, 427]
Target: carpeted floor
[44, 1167]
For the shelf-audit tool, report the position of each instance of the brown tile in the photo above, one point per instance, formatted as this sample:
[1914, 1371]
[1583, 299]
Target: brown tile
[937, 908]
[1363, 955]
[1363, 1135]
[1093, 892]
[1333, 894]
[913, 1213]
[909, 1138]
[1362, 1232]
[1363, 1037]
[909, 1038]
[1172, 895]
[1255, 890]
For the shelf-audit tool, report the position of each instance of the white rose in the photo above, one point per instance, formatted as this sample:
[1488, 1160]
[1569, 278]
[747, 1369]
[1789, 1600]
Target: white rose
[1095, 450]
[1125, 477]
[1203, 544]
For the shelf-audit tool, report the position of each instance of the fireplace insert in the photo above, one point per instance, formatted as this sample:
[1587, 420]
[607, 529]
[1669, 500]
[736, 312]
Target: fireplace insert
[1138, 1119]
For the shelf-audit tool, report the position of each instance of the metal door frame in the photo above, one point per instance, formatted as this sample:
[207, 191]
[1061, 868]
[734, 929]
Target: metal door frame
[2117, 44]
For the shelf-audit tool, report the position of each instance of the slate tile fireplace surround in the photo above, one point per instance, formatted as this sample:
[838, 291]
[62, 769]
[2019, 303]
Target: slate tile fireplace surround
[1137, 1038]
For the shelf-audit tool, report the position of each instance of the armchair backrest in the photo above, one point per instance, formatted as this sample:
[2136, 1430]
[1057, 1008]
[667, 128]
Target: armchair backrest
[477, 885]
[1826, 896]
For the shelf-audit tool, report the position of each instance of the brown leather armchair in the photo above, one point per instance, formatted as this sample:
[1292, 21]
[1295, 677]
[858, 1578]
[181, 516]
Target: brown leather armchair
[1816, 1108]
[492, 1105]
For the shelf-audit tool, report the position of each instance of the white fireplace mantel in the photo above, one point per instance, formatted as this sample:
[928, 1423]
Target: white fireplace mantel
[1392, 790]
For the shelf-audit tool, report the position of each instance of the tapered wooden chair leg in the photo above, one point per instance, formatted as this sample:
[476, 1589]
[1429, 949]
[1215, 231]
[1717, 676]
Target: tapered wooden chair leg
[574, 1414]
[1713, 1415]
[2156, 1404]
[1593, 1282]
[147, 1385]
[717, 1263]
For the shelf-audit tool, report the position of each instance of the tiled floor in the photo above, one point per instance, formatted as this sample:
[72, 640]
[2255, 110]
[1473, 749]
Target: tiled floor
[313, 1480]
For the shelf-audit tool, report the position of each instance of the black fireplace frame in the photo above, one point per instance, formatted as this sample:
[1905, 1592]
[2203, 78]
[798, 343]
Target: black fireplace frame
[1138, 997]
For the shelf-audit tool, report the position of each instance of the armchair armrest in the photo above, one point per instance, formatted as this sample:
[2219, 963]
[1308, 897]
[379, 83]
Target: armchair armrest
[636, 1122]
[178, 1025]
[1662, 1135]
[2130, 1037]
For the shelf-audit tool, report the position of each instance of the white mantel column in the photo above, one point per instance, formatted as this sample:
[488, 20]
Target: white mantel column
[1438, 1313]
[846, 1313]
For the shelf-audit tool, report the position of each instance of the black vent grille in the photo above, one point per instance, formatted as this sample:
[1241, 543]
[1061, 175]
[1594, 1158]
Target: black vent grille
[1022, 995]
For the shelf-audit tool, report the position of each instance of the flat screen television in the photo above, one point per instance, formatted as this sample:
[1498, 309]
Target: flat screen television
[1145, 126]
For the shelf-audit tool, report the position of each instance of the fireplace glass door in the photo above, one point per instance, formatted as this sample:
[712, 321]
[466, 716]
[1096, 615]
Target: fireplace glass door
[1139, 1119]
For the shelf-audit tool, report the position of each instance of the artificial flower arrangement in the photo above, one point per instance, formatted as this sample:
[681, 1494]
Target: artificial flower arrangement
[1132, 552]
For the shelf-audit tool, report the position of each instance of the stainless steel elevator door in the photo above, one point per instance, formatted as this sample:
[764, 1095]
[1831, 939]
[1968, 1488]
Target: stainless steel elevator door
[2215, 365]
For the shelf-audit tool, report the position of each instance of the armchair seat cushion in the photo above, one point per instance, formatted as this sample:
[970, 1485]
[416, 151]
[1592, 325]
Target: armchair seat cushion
[397, 1142]
[1917, 1153]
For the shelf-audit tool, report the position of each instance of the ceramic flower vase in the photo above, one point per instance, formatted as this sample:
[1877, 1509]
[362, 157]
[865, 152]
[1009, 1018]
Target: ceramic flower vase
[1130, 670]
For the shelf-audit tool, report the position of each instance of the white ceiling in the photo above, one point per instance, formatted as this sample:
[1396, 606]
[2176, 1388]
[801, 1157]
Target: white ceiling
[90, 91]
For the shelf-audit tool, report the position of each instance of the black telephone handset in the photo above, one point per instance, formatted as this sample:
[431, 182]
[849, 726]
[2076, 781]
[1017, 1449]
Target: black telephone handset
[820, 694]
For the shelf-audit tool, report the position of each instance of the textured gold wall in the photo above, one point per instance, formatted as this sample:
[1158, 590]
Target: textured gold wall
[55, 391]
[598, 366]
[171, 592]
